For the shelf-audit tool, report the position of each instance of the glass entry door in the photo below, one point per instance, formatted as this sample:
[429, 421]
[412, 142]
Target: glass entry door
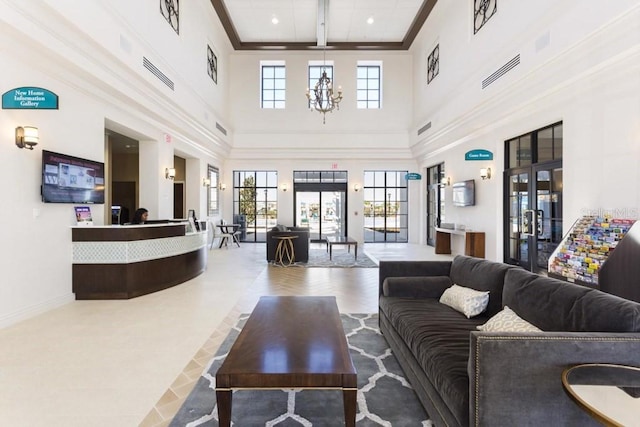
[322, 210]
[534, 225]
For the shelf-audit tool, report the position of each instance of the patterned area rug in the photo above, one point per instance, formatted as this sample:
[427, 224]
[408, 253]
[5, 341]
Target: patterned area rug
[340, 258]
[385, 398]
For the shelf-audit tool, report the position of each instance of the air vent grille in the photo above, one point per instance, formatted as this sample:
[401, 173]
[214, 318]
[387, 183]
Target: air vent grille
[156, 72]
[424, 128]
[501, 71]
[220, 128]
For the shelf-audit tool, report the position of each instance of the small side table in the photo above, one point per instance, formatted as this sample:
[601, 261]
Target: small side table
[285, 254]
[608, 393]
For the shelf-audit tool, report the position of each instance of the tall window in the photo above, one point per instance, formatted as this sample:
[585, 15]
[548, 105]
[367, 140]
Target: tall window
[369, 85]
[315, 72]
[255, 202]
[212, 196]
[385, 206]
[273, 85]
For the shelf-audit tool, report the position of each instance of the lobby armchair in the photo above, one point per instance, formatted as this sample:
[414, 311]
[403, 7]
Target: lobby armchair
[300, 245]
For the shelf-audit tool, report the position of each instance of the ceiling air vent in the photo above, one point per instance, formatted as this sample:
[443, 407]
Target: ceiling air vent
[501, 71]
[156, 72]
[424, 128]
[220, 128]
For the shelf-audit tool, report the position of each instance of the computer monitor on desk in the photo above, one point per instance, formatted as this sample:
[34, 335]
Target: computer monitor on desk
[115, 214]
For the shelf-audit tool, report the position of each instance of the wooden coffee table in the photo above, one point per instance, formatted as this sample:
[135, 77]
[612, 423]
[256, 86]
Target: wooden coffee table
[341, 240]
[289, 342]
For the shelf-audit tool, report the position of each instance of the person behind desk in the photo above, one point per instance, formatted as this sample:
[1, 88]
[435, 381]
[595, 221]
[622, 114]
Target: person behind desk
[140, 216]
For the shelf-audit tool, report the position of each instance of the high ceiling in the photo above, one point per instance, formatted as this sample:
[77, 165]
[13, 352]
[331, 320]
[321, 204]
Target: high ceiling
[306, 24]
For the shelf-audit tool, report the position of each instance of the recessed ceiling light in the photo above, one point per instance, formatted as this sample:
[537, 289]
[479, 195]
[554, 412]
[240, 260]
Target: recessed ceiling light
[370, 20]
[274, 20]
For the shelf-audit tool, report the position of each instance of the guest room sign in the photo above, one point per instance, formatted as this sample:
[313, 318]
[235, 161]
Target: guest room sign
[29, 98]
[478, 154]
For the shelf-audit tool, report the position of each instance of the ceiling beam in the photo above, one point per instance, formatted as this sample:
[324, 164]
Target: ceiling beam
[405, 44]
[321, 24]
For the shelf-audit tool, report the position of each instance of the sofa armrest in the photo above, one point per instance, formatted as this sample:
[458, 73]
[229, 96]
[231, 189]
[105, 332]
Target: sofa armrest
[516, 377]
[411, 269]
[415, 287]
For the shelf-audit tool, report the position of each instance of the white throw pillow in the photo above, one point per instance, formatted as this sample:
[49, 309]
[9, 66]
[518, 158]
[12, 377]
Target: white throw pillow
[465, 300]
[507, 321]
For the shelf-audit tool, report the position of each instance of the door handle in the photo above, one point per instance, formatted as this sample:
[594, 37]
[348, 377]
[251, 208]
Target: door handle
[528, 225]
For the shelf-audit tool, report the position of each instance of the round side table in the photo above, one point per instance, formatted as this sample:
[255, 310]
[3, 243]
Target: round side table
[609, 393]
[285, 254]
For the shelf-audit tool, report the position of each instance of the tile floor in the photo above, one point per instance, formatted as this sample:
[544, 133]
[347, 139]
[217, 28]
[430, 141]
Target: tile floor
[132, 362]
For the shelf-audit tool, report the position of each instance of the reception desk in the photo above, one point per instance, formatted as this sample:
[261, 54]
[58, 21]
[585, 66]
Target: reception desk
[122, 262]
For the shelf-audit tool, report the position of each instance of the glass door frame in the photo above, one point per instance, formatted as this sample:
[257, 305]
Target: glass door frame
[322, 187]
[531, 212]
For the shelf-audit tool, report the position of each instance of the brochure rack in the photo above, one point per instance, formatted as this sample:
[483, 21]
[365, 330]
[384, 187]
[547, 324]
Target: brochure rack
[591, 244]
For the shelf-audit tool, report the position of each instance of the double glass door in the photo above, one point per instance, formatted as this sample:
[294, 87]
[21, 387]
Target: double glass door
[322, 209]
[534, 226]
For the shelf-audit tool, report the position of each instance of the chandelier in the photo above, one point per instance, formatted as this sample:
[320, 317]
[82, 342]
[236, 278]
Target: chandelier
[322, 97]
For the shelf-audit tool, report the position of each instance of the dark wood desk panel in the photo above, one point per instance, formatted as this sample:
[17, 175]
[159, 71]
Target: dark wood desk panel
[125, 281]
[125, 233]
[117, 263]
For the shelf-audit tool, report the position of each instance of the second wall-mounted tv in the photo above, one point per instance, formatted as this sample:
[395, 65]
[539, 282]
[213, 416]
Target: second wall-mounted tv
[69, 179]
[464, 193]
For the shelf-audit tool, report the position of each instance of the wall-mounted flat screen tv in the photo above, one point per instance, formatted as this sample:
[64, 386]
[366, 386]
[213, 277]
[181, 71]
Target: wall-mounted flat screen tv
[464, 193]
[68, 179]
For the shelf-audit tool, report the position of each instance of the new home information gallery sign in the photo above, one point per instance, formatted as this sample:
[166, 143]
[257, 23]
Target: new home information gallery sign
[33, 98]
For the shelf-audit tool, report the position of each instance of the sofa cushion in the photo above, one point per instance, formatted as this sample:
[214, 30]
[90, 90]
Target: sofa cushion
[555, 305]
[416, 286]
[465, 300]
[482, 275]
[507, 321]
[438, 337]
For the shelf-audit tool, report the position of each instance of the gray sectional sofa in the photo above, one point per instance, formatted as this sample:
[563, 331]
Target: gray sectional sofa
[465, 377]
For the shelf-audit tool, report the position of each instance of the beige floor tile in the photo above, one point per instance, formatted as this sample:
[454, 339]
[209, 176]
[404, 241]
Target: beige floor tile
[131, 363]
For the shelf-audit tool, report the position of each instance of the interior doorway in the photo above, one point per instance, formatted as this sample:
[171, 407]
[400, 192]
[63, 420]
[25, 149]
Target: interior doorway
[178, 200]
[123, 194]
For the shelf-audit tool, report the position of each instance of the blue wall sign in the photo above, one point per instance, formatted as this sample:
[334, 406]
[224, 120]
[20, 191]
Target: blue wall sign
[413, 176]
[30, 98]
[478, 154]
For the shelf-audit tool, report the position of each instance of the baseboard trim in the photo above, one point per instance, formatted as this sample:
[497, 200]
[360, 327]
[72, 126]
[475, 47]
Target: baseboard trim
[34, 310]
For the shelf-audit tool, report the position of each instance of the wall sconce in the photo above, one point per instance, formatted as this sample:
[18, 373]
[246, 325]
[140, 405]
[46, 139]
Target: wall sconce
[356, 187]
[206, 182]
[284, 187]
[446, 181]
[169, 173]
[485, 173]
[222, 186]
[27, 137]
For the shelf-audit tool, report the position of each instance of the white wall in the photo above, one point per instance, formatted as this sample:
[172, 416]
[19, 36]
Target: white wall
[91, 57]
[580, 64]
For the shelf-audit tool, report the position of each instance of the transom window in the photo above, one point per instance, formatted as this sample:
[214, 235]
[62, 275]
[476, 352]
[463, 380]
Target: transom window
[539, 146]
[369, 85]
[273, 85]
